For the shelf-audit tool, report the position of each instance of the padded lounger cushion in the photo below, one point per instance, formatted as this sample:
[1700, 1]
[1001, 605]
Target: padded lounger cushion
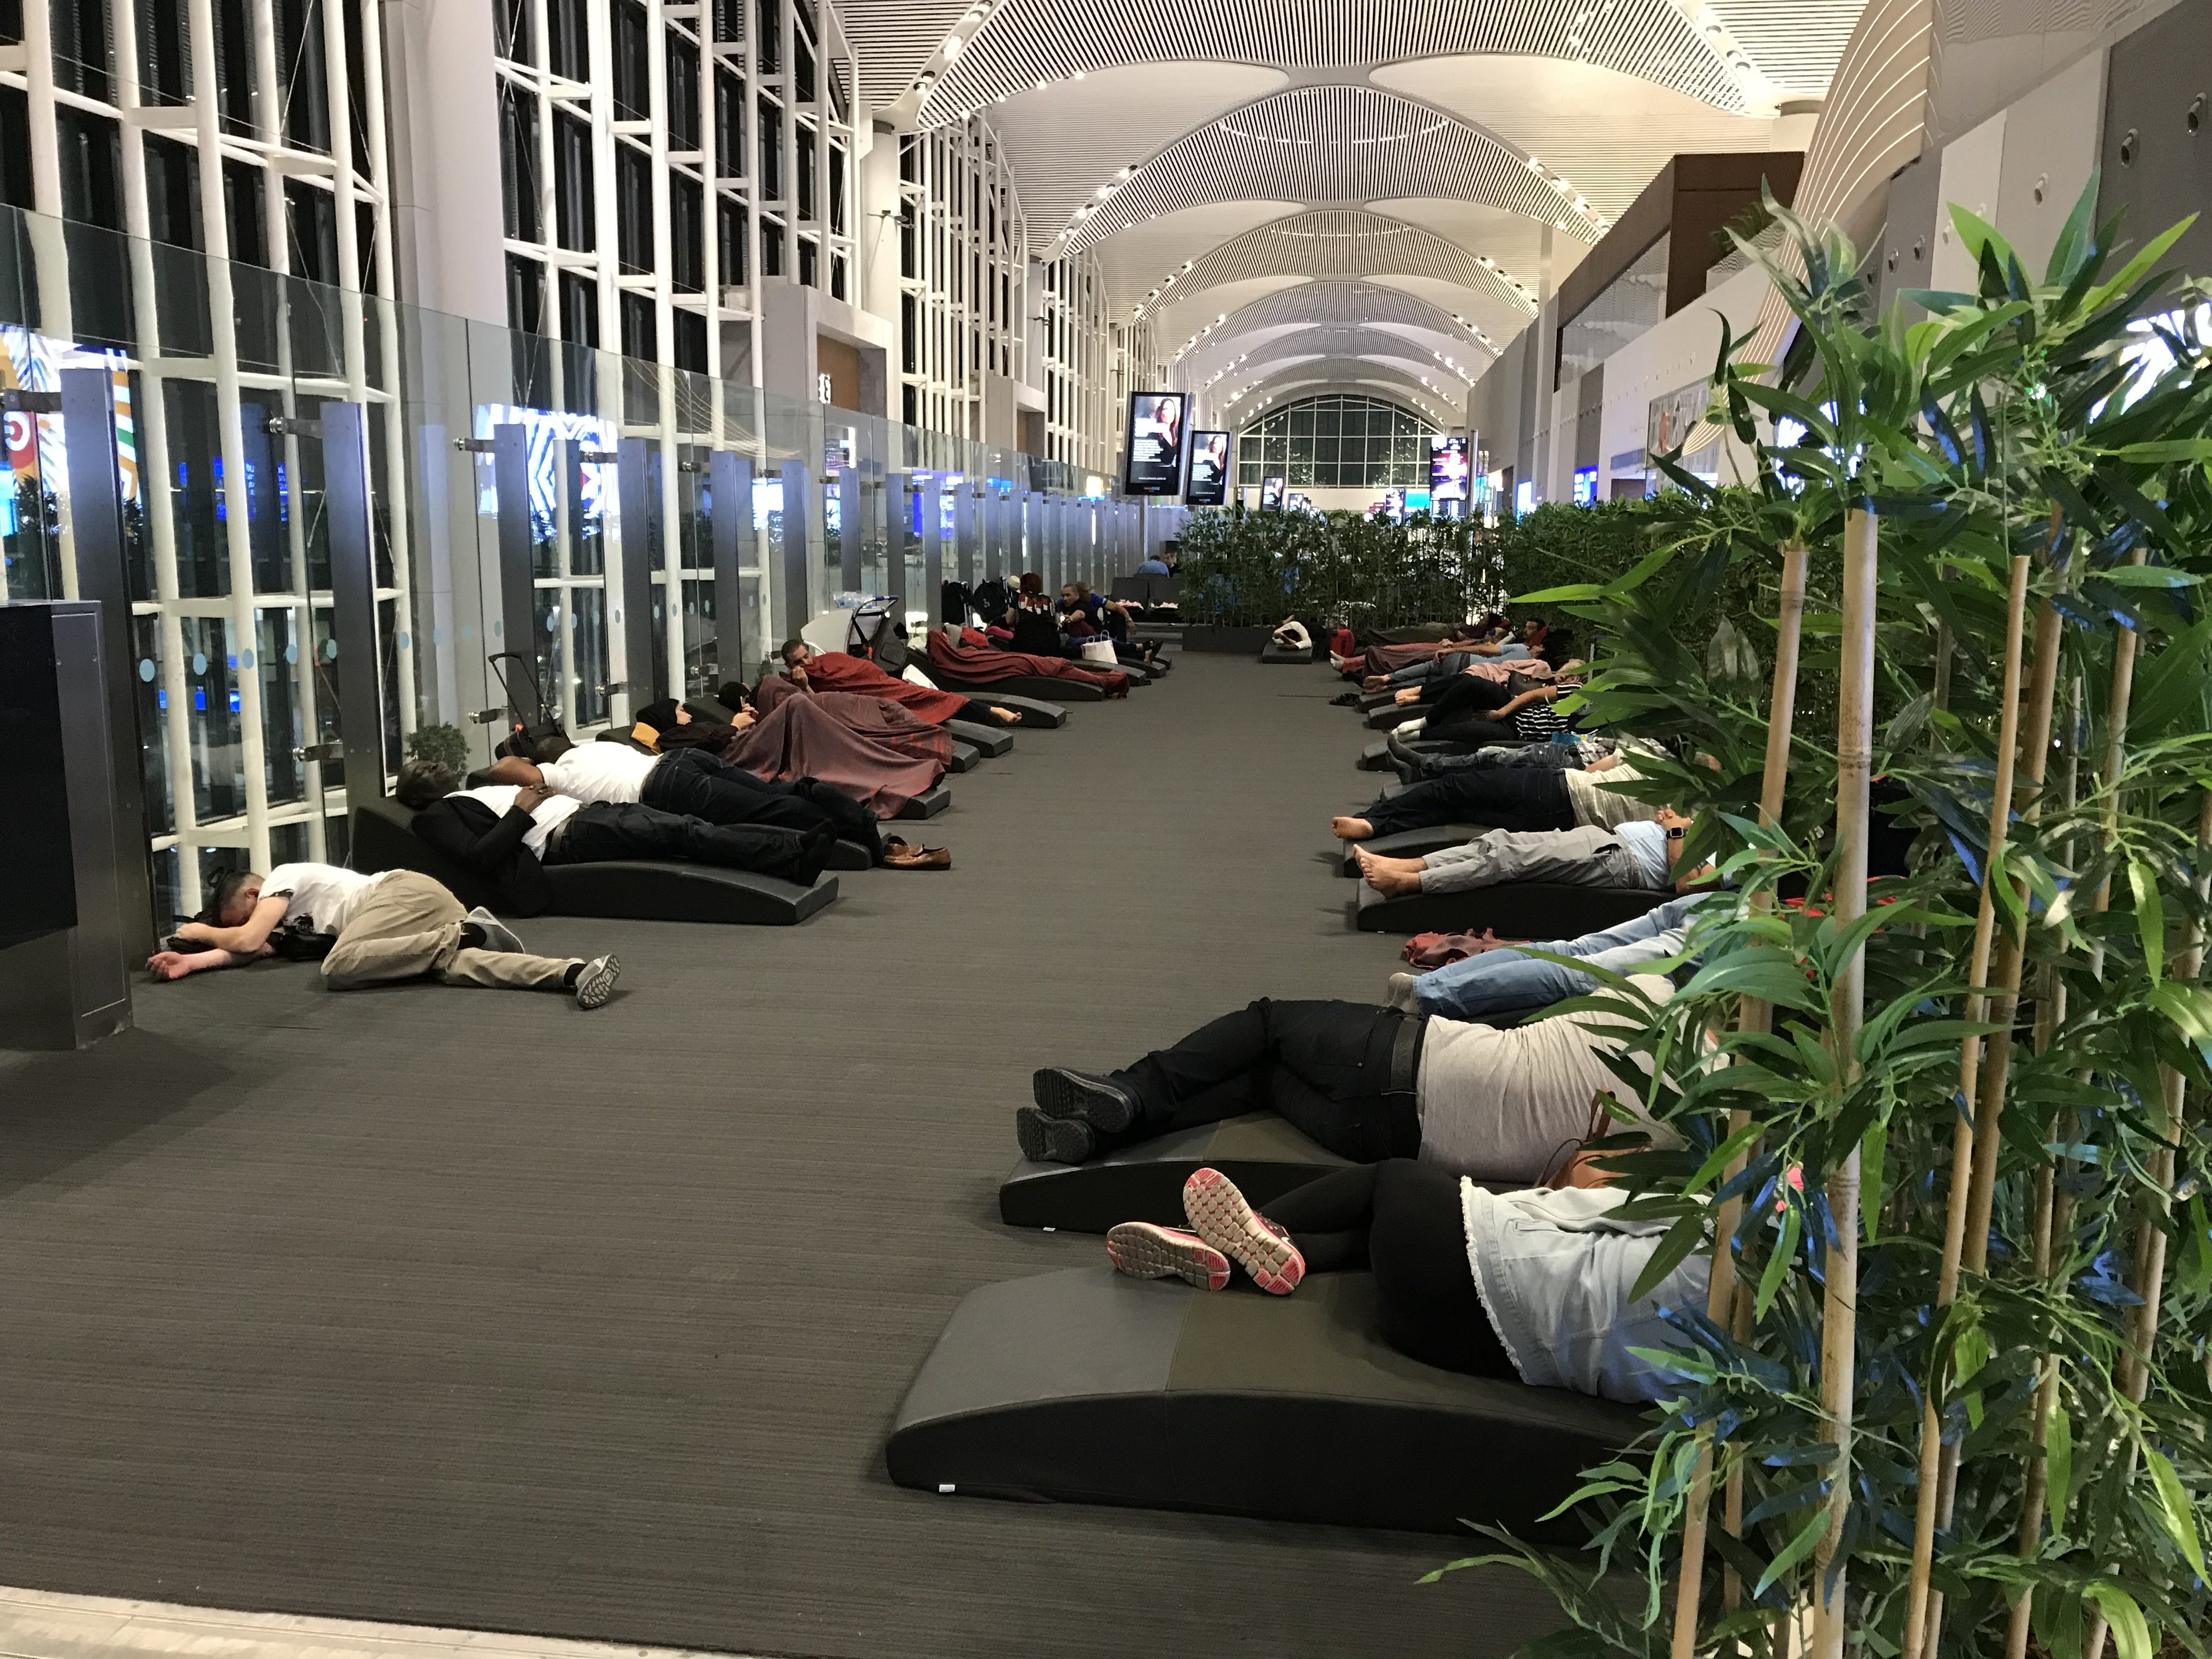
[927, 804]
[384, 840]
[1020, 686]
[965, 757]
[1087, 1387]
[1260, 1152]
[1526, 909]
[1375, 757]
[1272, 653]
[1409, 843]
[988, 741]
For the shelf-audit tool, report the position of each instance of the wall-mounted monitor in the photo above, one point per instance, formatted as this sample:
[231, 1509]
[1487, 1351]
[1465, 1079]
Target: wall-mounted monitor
[1449, 471]
[1585, 486]
[1209, 469]
[1298, 501]
[1271, 495]
[1154, 443]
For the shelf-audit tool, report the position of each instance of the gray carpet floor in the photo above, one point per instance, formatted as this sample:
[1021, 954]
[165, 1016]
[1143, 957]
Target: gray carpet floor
[465, 1308]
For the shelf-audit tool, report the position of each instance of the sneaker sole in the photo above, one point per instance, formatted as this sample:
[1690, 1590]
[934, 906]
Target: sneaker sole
[1062, 1094]
[1145, 1251]
[1219, 1215]
[1052, 1139]
[598, 983]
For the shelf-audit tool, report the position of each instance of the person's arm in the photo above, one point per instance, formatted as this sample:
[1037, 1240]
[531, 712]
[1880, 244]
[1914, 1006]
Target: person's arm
[1542, 694]
[443, 827]
[1687, 879]
[248, 937]
[513, 768]
[175, 964]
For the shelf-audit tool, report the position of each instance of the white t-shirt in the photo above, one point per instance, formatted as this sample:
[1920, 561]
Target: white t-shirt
[600, 772]
[1499, 1104]
[1594, 802]
[553, 809]
[319, 898]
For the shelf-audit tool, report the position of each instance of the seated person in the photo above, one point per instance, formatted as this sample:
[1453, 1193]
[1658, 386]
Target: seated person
[1364, 1082]
[1154, 566]
[963, 656]
[822, 671]
[1496, 978]
[1529, 1286]
[370, 930]
[689, 782]
[507, 833]
[1526, 798]
[1639, 854]
[1103, 618]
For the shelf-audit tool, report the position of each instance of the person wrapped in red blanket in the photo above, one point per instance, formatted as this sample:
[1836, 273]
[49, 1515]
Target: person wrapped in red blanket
[974, 661]
[867, 749]
[823, 671]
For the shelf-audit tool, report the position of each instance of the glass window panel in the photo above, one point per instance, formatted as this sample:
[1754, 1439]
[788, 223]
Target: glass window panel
[153, 725]
[212, 718]
[587, 655]
[283, 710]
[1325, 452]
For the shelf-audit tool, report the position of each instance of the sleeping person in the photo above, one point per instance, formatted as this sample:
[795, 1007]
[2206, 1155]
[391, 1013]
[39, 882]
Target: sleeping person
[1496, 977]
[1532, 1286]
[823, 671]
[1363, 1082]
[1640, 855]
[1508, 798]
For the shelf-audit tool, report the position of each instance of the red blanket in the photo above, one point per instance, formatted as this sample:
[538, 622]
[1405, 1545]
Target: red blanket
[978, 665]
[825, 672]
[869, 747]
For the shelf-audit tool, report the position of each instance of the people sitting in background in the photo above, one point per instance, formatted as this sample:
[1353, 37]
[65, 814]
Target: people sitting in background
[972, 659]
[370, 930]
[1638, 855]
[822, 671]
[507, 833]
[1497, 978]
[1154, 566]
[1102, 619]
[1363, 1082]
[1528, 798]
[1533, 1286]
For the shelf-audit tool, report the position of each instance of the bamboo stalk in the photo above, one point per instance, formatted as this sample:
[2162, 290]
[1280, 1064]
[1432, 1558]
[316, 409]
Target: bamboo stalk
[1930, 1514]
[1847, 1009]
[2150, 1240]
[1754, 1015]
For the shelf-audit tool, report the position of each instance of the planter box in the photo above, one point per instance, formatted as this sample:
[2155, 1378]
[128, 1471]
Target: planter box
[1238, 641]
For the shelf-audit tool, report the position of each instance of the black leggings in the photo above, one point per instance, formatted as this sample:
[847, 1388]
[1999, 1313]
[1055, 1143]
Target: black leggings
[1464, 694]
[1400, 1220]
[605, 832]
[1325, 1067]
[1525, 799]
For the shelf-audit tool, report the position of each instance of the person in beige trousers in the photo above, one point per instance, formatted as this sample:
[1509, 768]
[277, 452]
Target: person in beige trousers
[396, 925]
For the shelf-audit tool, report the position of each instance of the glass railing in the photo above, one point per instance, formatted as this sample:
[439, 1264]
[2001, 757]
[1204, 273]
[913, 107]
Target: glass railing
[607, 561]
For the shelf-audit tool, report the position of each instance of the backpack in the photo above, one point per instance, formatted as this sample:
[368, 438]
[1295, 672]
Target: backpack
[528, 732]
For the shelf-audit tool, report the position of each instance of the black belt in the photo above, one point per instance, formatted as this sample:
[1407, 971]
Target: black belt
[1403, 1122]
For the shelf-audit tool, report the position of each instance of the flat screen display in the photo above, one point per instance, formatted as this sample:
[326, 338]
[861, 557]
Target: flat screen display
[1155, 446]
[1271, 495]
[1298, 501]
[1209, 469]
[1448, 476]
[1585, 486]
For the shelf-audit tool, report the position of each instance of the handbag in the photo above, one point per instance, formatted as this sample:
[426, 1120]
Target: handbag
[1100, 651]
[530, 733]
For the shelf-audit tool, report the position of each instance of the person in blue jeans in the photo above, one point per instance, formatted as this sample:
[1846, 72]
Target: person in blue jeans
[1509, 980]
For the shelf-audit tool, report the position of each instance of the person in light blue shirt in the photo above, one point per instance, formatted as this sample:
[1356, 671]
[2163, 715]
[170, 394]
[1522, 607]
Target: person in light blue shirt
[1511, 980]
[1154, 567]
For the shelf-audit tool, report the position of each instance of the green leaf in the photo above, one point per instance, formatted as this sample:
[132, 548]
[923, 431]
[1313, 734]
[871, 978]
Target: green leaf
[2190, 1007]
[2058, 1463]
[2130, 273]
[1682, 1237]
[2175, 1511]
[2166, 449]
[2150, 917]
[1785, 1250]
[2148, 575]
[2130, 1635]
[1802, 1546]
[2075, 240]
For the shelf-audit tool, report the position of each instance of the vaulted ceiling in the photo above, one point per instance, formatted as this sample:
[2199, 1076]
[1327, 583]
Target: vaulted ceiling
[1378, 189]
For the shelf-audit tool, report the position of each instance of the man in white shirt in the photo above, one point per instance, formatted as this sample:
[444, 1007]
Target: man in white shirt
[1365, 1083]
[690, 783]
[370, 930]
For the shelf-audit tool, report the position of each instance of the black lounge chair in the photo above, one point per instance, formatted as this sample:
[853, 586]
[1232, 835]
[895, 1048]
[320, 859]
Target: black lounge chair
[1086, 1387]
[1522, 909]
[988, 741]
[384, 838]
[1259, 1151]
[927, 804]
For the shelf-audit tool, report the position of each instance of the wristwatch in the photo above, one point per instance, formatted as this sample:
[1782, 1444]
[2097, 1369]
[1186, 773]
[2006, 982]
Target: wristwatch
[1677, 834]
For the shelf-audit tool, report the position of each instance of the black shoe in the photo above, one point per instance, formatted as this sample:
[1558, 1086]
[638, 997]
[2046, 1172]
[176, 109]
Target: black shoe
[1087, 1099]
[1052, 1139]
[1346, 700]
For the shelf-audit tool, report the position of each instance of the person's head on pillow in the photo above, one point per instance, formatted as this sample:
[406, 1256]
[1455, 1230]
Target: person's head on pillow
[732, 697]
[663, 716]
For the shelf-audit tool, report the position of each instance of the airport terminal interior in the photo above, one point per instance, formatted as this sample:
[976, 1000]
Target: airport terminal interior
[858, 830]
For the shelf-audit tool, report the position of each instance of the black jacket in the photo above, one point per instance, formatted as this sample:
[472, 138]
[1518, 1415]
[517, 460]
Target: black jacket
[489, 845]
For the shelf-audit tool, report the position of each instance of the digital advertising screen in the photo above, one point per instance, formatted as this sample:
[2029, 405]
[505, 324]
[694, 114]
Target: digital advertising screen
[1450, 470]
[1271, 495]
[1585, 486]
[1298, 501]
[1209, 469]
[1155, 446]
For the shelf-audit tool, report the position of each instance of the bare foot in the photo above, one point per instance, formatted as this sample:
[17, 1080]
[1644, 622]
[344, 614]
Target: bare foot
[1350, 829]
[1374, 683]
[1005, 716]
[1411, 694]
[1391, 877]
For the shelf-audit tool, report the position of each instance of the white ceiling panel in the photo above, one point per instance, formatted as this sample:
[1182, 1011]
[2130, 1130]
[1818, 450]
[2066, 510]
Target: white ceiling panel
[1141, 257]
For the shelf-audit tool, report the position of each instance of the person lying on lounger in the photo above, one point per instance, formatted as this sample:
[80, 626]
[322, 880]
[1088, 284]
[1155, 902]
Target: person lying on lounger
[1364, 1082]
[1530, 1286]
[370, 930]
[1499, 977]
[1417, 760]
[1636, 855]
[1508, 798]
[1470, 710]
[823, 671]
[507, 833]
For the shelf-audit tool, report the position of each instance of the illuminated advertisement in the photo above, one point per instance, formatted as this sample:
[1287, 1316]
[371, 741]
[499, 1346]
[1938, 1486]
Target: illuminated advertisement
[1271, 495]
[1585, 486]
[1449, 471]
[1209, 469]
[1154, 443]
